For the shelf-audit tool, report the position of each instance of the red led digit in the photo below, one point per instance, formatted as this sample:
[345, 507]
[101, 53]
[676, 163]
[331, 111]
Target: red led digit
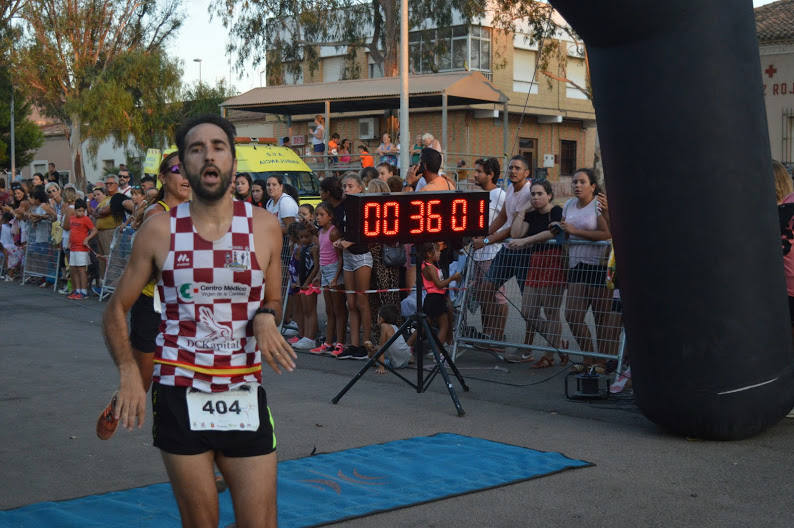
[459, 224]
[395, 215]
[367, 218]
[481, 223]
[433, 219]
[420, 218]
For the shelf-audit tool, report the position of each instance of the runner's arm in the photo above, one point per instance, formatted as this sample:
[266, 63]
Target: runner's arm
[131, 403]
[267, 243]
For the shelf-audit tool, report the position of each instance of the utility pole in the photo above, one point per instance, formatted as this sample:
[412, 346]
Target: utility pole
[13, 146]
[405, 134]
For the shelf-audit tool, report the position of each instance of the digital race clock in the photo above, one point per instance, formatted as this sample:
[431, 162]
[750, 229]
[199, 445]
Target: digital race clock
[416, 216]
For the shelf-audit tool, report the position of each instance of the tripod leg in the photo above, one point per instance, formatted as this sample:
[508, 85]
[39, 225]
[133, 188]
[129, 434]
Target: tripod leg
[372, 361]
[451, 363]
[440, 366]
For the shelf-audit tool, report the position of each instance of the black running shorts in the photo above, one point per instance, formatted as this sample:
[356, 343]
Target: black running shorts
[172, 434]
[144, 324]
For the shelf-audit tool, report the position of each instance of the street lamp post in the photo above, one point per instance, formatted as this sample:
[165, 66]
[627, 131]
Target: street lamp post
[199, 63]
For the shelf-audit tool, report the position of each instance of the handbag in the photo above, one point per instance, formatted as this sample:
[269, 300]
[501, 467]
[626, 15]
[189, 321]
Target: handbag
[393, 256]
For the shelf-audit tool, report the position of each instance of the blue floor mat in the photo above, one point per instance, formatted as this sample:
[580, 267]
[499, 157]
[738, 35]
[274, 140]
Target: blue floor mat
[327, 488]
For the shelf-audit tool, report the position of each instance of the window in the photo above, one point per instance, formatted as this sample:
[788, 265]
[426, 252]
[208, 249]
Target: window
[567, 157]
[375, 71]
[524, 80]
[450, 49]
[576, 72]
[333, 68]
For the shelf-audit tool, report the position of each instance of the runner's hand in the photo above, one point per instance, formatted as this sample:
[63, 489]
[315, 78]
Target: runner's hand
[276, 352]
[131, 401]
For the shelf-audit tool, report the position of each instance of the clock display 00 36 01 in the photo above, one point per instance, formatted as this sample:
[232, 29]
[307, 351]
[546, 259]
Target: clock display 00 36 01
[416, 217]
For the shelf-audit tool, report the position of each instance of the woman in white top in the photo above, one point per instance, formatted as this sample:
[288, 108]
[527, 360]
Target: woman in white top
[318, 137]
[280, 203]
[582, 220]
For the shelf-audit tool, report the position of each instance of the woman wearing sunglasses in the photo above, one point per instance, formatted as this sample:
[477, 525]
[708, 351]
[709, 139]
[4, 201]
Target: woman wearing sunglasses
[144, 320]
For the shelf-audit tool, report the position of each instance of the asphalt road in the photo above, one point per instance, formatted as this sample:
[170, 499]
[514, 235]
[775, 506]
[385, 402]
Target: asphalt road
[56, 375]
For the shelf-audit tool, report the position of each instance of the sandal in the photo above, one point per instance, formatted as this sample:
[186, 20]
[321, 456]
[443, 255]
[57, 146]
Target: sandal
[107, 424]
[544, 362]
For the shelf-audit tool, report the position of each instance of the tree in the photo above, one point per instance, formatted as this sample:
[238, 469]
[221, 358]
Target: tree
[288, 33]
[291, 30]
[27, 136]
[136, 97]
[73, 61]
[205, 99]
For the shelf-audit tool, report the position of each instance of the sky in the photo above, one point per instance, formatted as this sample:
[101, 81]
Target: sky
[200, 38]
[205, 39]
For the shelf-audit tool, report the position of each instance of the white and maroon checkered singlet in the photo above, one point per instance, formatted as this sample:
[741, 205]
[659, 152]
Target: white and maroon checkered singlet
[210, 292]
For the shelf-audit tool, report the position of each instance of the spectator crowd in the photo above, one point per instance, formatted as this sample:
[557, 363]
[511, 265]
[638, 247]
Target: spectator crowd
[553, 253]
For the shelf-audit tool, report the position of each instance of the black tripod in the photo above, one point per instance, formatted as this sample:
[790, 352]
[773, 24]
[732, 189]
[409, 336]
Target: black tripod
[422, 329]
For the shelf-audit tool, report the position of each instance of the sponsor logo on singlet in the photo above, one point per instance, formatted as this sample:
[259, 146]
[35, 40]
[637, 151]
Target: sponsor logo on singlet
[212, 335]
[238, 259]
[183, 259]
[200, 292]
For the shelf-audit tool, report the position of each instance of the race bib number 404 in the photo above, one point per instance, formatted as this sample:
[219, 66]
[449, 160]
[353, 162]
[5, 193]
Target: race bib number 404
[234, 410]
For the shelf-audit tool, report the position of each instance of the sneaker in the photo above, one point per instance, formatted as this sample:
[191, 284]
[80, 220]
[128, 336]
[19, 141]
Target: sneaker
[96, 291]
[339, 350]
[620, 382]
[359, 353]
[516, 355]
[790, 414]
[290, 324]
[322, 349]
[289, 332]
[351, 352]
[75, 296]
[304, 343]
[334, 350]
[106, 425]
[65, 291]
[293, 340]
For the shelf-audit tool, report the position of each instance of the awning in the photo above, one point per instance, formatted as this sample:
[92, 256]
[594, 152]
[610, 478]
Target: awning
[460, 88]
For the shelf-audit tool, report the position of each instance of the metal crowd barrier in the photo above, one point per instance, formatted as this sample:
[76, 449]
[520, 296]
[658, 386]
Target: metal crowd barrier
[286, 281]
[544, 303]
[119, 254]
[42, 259]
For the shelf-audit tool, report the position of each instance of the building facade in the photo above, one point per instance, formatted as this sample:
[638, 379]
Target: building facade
[551, 120]
[775, 27]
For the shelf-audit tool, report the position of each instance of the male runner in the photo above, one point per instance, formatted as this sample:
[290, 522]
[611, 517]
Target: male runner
[217, 260]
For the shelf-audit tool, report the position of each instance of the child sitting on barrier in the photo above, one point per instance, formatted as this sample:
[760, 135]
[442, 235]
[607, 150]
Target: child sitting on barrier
[399, 353]
[81, 231]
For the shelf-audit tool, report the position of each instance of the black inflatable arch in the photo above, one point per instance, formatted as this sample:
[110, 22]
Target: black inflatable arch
[685, 144]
